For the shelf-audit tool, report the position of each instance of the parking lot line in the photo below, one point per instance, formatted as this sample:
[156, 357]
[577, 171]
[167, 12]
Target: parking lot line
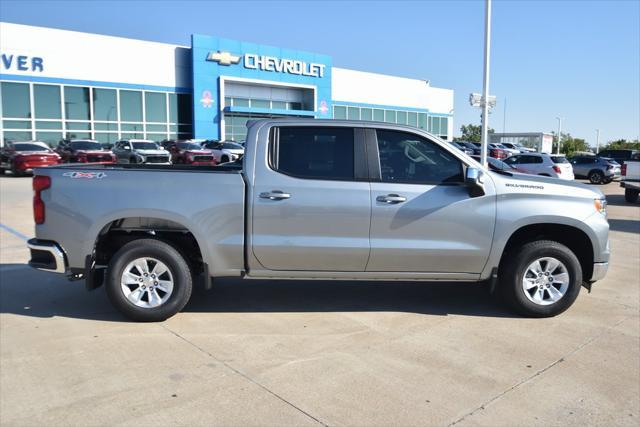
[14, 232]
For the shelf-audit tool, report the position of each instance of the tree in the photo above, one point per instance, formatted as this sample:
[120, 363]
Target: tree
[472, 133]
[622, 144]
[569, 145]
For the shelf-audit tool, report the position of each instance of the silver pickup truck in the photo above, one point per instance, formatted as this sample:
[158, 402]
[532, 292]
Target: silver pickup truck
[320, 199]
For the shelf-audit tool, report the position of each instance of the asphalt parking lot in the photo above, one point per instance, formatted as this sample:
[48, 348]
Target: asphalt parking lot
[309, 353]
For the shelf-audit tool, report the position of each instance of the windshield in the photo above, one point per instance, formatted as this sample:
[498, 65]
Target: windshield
[144, 146]
[607, 159]
[232, 146]
[86, 145]
[30, 147]
[559, 159]
[188, 146]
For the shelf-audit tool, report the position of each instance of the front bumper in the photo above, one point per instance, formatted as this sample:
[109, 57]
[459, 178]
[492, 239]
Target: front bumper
[599, 271]
[47, 256]
[30, 166]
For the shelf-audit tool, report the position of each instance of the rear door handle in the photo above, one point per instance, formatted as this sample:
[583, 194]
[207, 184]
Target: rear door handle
[391, 199]
[275, 195]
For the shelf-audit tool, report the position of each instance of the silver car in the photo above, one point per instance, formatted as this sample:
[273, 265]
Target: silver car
[542, 164]
[599, 170]
[141, 151]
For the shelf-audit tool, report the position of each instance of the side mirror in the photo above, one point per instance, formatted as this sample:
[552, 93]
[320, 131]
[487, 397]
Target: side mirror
[474, 180]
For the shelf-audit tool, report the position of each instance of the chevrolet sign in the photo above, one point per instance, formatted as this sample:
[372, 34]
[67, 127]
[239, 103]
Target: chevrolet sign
[269, 63]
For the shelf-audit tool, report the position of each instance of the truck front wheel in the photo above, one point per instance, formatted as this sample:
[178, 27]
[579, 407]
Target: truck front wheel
[542, 279]
[148, 280]
[631, 195]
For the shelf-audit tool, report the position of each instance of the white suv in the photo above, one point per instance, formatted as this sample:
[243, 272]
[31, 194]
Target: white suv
[542, 164]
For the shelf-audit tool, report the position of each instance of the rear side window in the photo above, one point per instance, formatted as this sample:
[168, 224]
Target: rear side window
[409, 158]
[314, 152]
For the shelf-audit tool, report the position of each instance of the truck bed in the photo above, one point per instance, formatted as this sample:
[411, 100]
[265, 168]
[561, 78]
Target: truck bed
[208, 201]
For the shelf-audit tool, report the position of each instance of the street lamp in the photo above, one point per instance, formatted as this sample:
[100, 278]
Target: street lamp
[559, 133]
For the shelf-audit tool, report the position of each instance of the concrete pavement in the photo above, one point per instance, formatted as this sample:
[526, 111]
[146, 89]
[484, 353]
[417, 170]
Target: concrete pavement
[309, 353]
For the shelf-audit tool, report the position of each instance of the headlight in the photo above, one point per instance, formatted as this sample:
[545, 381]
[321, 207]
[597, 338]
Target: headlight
[601, 205]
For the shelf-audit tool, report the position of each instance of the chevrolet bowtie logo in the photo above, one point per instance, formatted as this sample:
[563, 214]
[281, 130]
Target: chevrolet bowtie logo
[223, 58]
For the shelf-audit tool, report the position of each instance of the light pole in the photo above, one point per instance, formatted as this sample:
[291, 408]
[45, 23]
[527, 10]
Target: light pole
[597, 141]
[559, 134]
[485, 84]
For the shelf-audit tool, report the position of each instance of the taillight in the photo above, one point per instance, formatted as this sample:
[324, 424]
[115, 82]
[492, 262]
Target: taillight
[40, 183]
[557, 169]
[624, 170]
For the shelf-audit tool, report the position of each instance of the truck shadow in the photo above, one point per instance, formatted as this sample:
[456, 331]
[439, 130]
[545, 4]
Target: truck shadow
[27, 292]
[625, 225]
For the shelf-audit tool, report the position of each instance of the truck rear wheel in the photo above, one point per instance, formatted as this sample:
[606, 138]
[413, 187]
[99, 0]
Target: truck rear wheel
[543, 279]
[148, 280]
[631, 195]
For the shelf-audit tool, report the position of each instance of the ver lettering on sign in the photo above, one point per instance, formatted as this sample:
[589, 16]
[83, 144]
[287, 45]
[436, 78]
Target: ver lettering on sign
[291, 66]
[22, 62]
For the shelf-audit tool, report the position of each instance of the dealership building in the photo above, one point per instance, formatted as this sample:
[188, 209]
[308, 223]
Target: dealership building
[58, 84]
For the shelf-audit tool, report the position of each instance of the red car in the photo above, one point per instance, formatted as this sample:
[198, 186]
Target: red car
[84, 151]
[23, 157]
[189, 153]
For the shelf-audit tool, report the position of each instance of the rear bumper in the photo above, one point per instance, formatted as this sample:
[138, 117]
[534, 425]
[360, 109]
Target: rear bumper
[599, 271]
[47, 256]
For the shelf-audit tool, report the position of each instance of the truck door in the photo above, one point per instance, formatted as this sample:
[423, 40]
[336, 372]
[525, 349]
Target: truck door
[311, 200]
[423, 218]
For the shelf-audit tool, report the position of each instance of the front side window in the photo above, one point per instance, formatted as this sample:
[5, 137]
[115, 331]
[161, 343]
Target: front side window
[315, 152]
[409, 158]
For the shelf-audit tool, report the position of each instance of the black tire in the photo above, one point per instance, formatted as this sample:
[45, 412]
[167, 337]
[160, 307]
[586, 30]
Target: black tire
[631, 195]
[133, 160]
[513, 271]
[608, 180]
[182, 275]
[596, 177]
[224, 159]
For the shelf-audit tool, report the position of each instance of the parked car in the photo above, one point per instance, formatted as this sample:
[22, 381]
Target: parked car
[497, 152]
[510, 151]
[542, 164]
[493, 150]
[84, 151]
[225, 151]
[320, 199]
[190, 153]
[498, 165]
[23, 157]
[631, 178]
[462, 148]
[471, 146]
[620, 156]
[518, 147]
[141, 151]
[599, 170]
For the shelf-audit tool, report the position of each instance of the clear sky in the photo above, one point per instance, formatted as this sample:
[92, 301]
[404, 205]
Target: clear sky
[576, 59]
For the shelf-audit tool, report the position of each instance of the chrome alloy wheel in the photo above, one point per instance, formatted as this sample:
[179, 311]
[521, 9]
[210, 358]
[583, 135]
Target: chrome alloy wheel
[545, 281]
[147, 282]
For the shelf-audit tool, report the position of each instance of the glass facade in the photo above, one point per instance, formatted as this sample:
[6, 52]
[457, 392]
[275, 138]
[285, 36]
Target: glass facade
[437, 125]
[51, 112]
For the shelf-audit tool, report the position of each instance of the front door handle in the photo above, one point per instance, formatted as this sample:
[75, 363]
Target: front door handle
[275, 195]
[391, 199]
